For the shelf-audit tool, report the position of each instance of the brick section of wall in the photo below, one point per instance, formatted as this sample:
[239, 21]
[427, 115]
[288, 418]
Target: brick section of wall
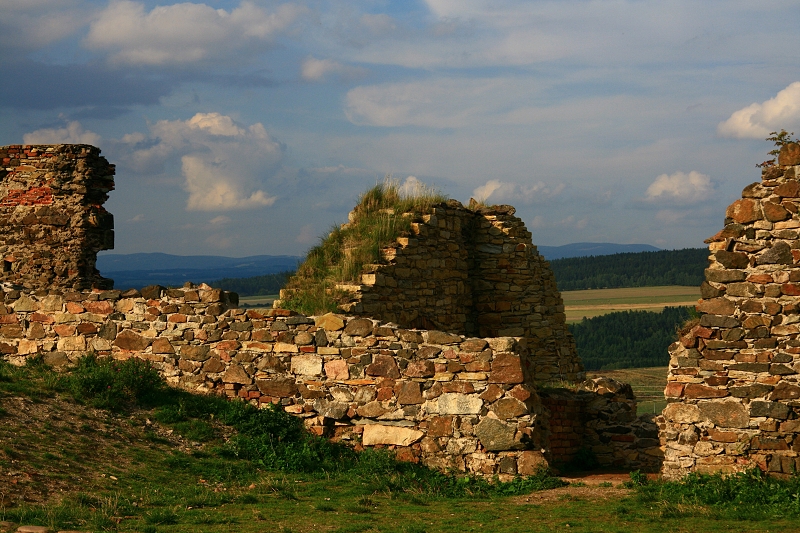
[445, 400]
[472, 272]
[599, 419]
[52, 217]
[734, 380]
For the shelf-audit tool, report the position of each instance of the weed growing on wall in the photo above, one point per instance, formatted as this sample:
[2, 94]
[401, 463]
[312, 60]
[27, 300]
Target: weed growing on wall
[779, 138]
[383, 214]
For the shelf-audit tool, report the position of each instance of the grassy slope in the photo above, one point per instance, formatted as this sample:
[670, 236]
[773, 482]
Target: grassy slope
[80, 467]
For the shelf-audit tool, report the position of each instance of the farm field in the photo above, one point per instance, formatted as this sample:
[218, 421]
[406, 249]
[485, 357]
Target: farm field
[596, 302]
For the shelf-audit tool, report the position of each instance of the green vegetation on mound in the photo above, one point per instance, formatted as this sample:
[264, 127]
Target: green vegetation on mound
[382, 215]
[628, 339]
[642, 269]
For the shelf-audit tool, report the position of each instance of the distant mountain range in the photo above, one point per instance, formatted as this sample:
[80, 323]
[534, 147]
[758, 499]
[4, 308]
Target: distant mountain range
[583, 249]
[140, 270]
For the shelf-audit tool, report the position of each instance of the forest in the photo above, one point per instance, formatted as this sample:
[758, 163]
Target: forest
[642, 269]
[254, 286]
[628, 339]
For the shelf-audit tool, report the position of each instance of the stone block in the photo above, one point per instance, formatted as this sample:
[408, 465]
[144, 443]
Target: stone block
[458, 404]
[378, 434]
[306, 365]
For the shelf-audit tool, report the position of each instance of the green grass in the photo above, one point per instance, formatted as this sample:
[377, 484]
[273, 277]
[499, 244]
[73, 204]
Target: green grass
[382, 215]
[275, 477]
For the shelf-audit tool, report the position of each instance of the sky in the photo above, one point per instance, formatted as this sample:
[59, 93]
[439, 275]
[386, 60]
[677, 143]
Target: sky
[245, 127]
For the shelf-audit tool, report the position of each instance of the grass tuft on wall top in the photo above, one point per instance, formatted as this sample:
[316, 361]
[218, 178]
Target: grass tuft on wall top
[383, 213]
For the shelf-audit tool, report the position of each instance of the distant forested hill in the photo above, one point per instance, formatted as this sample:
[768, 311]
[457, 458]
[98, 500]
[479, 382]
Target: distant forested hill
[254, 286]
[642, 269]
[628, 339]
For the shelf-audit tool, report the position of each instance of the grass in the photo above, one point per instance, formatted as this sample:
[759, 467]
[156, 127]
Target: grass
[596, 302]
[383, 214]
[119, 480]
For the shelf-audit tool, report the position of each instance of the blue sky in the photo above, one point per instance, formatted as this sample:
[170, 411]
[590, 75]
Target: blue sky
[244, 127]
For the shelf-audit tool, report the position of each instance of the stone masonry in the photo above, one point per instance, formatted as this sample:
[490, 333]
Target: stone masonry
[474, 273]
[52, 216]
[448, 401]
[440, 362]
[734, 379]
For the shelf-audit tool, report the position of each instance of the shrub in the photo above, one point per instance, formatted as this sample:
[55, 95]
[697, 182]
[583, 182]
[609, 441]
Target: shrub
[114, 385]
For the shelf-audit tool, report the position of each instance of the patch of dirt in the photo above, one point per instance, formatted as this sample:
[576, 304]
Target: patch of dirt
[51, 446]
[573, 492]
[584, 486]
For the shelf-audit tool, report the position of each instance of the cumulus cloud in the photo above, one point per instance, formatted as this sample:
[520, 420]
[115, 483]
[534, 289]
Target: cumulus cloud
[756, 121]
[413, 186]
[499, 191]
[680, 188]
[32, 24]
[223, 163]
[317, 70]
[183, 33]
[72, 133]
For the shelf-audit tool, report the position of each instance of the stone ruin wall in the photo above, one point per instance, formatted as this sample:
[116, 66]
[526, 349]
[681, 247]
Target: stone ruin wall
[52, 216]
[734, 379]
[476, 321]
[474, 273]
[446, 400]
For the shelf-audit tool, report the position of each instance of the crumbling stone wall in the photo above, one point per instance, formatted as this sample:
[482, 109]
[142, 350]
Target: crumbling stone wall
[469, 318]
[52, 220]
[734, 379]
[597, 422]
[445, 400]
[475, 273]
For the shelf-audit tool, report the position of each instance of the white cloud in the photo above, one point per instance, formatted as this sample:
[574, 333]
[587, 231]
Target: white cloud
[220, 220]
[138, 218]
[680, 188]
[72, 133]
[32, 24]
[317, 70]
[413, 186]
[499, 191]
[184, 33]
[306, 235]
[756, 121]
[440, 103]
[223, 163]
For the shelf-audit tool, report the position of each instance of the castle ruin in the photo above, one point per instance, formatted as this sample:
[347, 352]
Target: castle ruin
[439, 359]
[734, 378]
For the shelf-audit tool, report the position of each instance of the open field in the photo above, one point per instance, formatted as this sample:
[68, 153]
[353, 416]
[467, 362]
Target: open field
[595, 302]
[647, 383]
